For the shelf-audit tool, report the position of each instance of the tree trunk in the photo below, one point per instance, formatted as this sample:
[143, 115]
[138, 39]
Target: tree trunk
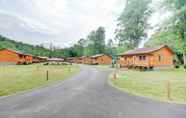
[184, 58]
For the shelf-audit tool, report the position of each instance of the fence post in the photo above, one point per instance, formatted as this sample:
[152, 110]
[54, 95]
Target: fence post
[114, 76]
[47, 76]
[168, 89]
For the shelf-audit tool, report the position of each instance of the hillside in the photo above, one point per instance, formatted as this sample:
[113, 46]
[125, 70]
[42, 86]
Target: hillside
[25, 48]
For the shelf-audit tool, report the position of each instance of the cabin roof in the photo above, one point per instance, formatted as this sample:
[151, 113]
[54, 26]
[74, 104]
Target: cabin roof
[144, 50]
[18, 52]
[97, 55]
[14, 51]
[55, 59]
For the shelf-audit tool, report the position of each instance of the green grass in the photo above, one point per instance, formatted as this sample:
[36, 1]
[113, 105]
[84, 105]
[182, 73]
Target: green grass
[16, 78]
[153, 83]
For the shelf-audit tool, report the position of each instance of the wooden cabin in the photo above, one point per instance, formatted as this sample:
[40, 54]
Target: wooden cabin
[71, 59]
[42, 59]
[78, 60]
[56, 59]
[8, 56]
[36, 59]
[29, 59]
[87, 60]
[75, 60]
[147, 57]
[101, 59]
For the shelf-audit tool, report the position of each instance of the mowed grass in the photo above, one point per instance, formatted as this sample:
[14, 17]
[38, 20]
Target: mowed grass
[153, 84]
[16, 78]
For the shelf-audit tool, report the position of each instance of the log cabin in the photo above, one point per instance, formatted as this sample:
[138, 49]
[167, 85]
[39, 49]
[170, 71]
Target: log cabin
[56, 59]
[77, 60]
[71, 59]
[43, 59]
[8, 56]
[87, 60]
[147, 57]
[28, 59]
[101, 59]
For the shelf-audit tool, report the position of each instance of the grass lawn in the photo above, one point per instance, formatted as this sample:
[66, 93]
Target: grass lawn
[153, 83]
[16, 78]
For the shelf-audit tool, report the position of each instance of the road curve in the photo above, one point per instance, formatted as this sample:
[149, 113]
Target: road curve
[87, 95]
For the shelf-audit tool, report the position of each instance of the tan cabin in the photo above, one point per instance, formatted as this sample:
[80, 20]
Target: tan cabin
[86, 60]
[101, 59]
[147, 57]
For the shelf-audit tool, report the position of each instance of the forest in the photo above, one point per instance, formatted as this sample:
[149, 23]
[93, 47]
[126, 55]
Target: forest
[132, 28]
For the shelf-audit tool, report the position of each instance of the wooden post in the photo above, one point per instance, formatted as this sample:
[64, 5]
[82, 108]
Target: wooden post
[115, 76]
[47, 77]
[168, 89]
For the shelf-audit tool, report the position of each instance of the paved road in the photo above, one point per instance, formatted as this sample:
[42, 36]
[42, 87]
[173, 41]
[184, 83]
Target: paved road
[86, 95]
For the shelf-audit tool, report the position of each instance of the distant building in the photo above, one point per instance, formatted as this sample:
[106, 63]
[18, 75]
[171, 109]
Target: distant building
[8, 56]
[101, 59]
[56, 59]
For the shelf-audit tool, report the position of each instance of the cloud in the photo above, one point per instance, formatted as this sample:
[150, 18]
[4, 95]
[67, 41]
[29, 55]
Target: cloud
[58, 21]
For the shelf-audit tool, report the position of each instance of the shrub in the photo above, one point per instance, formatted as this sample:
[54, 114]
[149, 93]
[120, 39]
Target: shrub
[177, 66]
[46, 64]
[184, 66]
[65, 63]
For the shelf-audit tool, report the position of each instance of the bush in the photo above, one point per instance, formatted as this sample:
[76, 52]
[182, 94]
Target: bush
[184, 66]
[177, 66]
[46, 64]
[65, 63]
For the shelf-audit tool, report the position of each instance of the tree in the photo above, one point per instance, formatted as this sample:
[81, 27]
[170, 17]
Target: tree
[100, 40]
[96, 42]
[133, 22]
[110, 47]
[179, 22]
[79, 47]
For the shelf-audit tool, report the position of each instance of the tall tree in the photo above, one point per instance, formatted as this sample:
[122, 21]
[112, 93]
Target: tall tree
[110, 49]
[79, 47]
[100, 40]
[179, 22]
[96, 41]
[133, 22]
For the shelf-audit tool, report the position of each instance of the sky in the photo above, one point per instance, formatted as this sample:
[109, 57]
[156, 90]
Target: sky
[64, 22]
[61, 22]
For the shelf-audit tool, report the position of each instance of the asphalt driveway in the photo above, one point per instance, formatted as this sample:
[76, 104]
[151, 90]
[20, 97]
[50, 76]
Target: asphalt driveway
[86, 95]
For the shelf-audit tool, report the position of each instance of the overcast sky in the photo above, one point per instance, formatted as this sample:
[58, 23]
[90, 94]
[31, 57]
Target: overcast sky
[61, 22]
[64, 22]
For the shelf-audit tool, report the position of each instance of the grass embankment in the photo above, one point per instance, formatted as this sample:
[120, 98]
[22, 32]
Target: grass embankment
[153, 83]
[16, 78]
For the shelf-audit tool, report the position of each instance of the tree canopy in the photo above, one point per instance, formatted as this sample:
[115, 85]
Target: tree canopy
[133, 22]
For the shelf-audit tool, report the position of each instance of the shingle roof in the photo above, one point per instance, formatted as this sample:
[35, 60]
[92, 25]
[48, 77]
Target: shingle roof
[143, 50]
[15, 51]
[97, 55]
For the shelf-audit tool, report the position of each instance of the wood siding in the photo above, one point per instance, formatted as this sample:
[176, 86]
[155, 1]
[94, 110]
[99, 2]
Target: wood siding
[102, 60]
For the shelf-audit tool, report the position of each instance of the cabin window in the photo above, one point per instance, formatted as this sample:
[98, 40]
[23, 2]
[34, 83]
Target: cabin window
[142, 58]
[160, 58]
